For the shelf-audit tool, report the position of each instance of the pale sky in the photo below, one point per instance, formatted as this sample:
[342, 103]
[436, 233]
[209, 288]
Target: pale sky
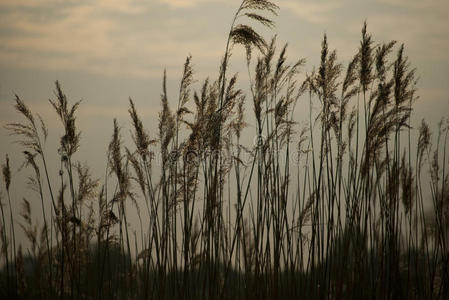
[105, 51]
[122, 46]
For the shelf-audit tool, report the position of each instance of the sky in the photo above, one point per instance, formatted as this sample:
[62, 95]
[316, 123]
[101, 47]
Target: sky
[105, 51]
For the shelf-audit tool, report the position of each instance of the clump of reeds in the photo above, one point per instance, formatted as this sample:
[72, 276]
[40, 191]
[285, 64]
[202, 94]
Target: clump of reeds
[227, 219]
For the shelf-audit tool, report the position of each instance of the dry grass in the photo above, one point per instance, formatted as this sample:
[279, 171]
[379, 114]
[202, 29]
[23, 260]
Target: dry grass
[335, 208]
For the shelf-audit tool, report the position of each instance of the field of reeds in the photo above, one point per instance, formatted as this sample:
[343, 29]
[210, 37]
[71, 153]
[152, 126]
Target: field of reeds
[237, 198]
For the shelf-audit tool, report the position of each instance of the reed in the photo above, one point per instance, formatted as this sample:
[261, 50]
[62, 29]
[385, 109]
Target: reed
[334, 206]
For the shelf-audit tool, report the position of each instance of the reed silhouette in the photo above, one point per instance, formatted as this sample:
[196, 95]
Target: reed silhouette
[336, 208]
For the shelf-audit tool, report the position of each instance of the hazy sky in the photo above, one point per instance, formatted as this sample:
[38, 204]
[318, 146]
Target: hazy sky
[104, 51]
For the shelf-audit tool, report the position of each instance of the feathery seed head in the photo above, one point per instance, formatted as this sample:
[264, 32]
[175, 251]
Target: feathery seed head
[6, 170]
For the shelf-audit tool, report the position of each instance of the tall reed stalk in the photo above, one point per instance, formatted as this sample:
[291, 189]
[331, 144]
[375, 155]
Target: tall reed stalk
[231, 204]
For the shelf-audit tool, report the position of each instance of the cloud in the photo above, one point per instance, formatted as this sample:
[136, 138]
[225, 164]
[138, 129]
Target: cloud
[105, 36]
[139, 38]
[27, 3]
[123, 6]
[187, 3]
[415, 4]
[311, 11]
[181, 3]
